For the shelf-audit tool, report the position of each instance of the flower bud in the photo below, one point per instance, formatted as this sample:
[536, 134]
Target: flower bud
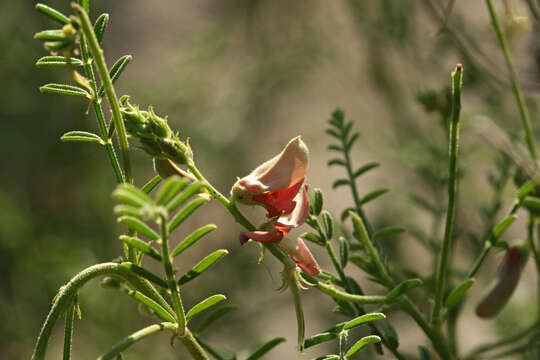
[506, 282]
[300, 254]
[150, 147]
[136, 122]
[171, 149]
[159, 126]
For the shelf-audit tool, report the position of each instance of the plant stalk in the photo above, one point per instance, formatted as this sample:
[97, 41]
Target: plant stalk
[96, 103]
[68, 332]
[97, 55]
[171, 281]
[65, 297]
[457, 77]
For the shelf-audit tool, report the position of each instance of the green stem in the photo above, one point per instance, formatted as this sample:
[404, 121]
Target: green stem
[354, 189]
[362, 235]
[298, 310]
[65, 297]
[408, 306]
[171, 282]
[68, 332]
[337, 266]
[97, 55]
[96, 103]
[210, 350]
[480, 259]
[193, 346]
[523, 111]
[436, 336]
[357, 299]
[137, 336]
[488, 245]
[457, 77]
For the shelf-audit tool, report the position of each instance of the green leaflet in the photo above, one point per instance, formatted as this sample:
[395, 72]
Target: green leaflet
[65, 90]
[192, 239]
[83, 136]
[100, 26]
[360, 344]
[138, 226]
[202, 266]
[58, 61]
[205, 304]
[363, 319]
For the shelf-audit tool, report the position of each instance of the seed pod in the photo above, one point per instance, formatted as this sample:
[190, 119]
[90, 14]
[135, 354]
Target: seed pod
[165, 168]
[503, 287]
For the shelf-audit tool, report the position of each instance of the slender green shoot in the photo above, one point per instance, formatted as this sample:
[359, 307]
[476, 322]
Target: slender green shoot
[457, 77]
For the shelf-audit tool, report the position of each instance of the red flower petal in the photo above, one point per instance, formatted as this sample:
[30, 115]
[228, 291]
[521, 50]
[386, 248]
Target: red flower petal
[279, 202]
[300, 213]
[261, 236]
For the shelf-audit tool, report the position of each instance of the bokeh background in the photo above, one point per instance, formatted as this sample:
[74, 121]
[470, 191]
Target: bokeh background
[240, 78]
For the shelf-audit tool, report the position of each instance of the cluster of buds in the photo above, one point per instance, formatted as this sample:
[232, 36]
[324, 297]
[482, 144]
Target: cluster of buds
[504, 285]
[156, 138]
[278, 186]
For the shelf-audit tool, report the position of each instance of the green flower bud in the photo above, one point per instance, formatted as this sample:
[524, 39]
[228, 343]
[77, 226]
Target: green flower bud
[136, 123]
[151, 147]
[172, 150]
[69, 30]
[159, 126]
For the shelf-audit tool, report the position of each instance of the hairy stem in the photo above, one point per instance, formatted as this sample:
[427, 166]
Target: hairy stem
[457, 77]
[97, 55]
[171, 282]
[345, 296]
[68, 332]
[96, 103]
[65, 297]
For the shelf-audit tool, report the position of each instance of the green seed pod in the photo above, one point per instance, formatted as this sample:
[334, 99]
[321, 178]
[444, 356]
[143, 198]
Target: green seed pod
[317, 204]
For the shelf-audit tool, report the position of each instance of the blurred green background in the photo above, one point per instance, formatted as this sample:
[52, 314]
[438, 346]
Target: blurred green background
[240, 78]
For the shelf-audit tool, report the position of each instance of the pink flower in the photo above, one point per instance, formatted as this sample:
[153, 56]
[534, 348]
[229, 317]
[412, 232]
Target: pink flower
[301, 255]
[505, 284]
[277, 229]
[276, 185]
